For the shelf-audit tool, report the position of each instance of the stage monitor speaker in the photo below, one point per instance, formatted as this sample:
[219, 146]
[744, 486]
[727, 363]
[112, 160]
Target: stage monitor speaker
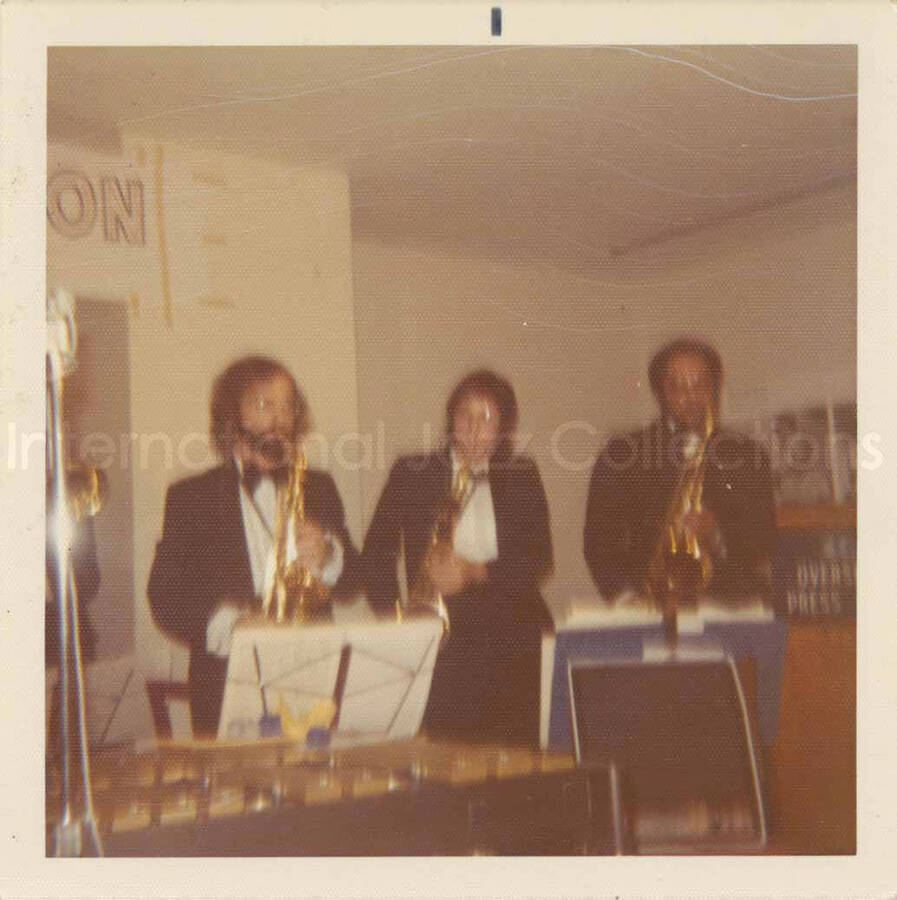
[676, 736]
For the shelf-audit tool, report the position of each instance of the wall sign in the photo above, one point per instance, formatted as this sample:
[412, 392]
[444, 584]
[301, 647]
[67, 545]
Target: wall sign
[75, 206]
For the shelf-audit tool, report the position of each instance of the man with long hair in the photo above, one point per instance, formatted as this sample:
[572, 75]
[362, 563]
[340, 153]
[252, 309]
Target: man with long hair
[485, 685]
[211, 563]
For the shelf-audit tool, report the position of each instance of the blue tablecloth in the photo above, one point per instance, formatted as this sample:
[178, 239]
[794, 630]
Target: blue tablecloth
[764, 641]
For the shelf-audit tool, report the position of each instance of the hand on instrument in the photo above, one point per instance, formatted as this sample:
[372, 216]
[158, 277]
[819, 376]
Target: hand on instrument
[220, 627]
[448, 571]
[312, 547]
[243, 605]
[703, 526]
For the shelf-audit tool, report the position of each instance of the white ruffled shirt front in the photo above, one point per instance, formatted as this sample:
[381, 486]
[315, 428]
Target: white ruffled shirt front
[475, 538]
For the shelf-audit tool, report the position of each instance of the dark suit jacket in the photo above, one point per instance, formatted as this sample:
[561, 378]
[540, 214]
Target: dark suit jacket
[630, 490]
[416, 486]
[485, 686]
[203, 559]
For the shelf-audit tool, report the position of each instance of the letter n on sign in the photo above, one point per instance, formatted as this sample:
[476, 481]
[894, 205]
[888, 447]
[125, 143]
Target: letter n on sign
[123, 212]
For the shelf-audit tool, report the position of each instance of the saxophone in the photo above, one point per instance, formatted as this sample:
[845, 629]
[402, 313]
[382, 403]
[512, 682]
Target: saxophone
[424, 598]
[294, 594]
[680, 567]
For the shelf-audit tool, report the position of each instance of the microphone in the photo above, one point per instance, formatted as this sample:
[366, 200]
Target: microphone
[62, 336]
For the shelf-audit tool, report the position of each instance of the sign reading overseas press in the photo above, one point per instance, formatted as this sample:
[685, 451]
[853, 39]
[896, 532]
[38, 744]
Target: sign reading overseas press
[814, 573]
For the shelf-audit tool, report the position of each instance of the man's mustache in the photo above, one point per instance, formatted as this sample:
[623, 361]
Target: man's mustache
[274, 446]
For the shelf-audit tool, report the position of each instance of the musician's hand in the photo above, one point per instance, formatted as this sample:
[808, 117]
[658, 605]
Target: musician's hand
[312, 548]
[448, 571]
[244, 607]
[703, 526]
[220, 627]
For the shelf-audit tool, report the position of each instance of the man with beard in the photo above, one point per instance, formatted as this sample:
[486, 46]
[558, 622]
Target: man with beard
[211, 563]
[636, 474]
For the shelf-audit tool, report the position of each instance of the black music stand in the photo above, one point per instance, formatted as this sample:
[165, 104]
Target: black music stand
[675, 734]
[160, 693]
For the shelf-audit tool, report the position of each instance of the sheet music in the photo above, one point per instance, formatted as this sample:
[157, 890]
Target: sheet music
[629, 610]
[293, 669]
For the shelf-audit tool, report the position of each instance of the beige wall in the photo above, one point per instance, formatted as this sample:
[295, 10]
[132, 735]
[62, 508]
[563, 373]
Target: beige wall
[776, 291]
[252, 257]
[97, 405]
[246, 258]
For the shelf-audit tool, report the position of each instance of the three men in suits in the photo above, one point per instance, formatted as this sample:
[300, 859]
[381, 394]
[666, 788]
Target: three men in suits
[485, 685]
[210, 564]
[635, 476]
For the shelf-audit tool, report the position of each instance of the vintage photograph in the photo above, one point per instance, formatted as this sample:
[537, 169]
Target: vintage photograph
[451, 450]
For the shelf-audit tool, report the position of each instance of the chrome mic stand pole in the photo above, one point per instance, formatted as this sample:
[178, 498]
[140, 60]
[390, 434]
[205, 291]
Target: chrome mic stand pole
[60, 355]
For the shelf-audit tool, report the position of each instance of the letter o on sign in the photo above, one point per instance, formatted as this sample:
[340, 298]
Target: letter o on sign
[71, 204]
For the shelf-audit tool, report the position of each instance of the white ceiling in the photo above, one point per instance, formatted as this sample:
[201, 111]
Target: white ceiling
[570, 155]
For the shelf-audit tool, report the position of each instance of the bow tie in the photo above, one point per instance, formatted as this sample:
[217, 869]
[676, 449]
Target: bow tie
[253, 476]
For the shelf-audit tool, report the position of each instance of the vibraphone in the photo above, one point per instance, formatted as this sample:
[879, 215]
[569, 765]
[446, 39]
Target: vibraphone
[274, 798]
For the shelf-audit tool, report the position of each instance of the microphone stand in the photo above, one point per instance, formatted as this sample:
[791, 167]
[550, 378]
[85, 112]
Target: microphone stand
[69, 833]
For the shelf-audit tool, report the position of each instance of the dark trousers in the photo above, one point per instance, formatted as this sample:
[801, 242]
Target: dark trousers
[207, 676]
[486, 681]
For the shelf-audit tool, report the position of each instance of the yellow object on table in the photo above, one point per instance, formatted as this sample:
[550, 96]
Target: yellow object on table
[319, 716]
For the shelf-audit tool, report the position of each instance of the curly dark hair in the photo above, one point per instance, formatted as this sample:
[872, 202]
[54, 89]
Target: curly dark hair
[228, 391]
[680, 347]
[499, 390]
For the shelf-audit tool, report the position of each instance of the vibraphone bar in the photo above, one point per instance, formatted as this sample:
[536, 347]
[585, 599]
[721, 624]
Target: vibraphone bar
[274, 798]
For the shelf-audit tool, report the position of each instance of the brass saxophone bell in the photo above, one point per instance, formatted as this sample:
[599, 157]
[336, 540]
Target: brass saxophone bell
[424, 598]
[680, 565]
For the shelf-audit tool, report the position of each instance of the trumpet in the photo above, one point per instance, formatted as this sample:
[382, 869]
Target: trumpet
[293, 593]
[680, 566]
[424, 598]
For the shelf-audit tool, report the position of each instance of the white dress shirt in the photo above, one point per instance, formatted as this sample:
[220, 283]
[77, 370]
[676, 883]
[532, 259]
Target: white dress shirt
[475, 537]
[258, 526]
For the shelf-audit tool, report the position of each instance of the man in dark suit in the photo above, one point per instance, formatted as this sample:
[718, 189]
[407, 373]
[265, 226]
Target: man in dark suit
[213, 560]
[634, 478]
[488, 568]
